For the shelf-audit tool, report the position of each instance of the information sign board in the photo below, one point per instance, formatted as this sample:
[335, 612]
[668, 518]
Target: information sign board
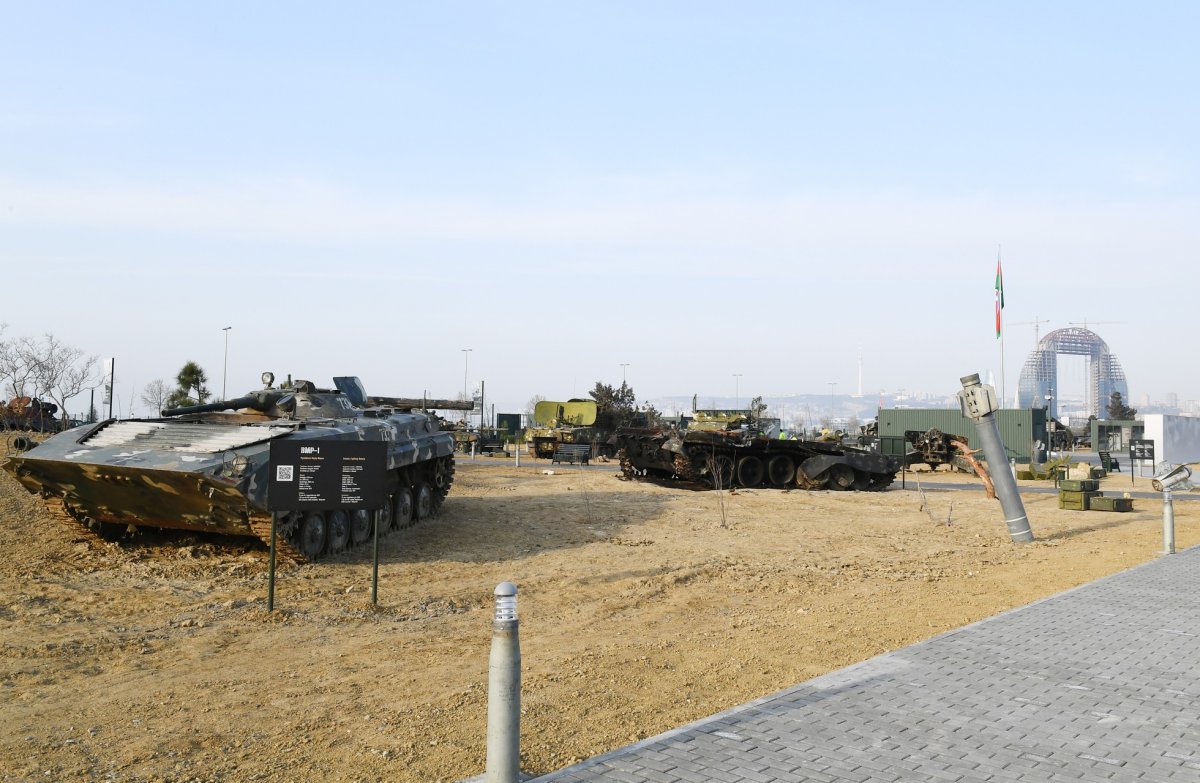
[1141, 450]
[326, 474]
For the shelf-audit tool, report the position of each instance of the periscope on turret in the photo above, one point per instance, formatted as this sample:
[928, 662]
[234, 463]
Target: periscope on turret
[205, 467]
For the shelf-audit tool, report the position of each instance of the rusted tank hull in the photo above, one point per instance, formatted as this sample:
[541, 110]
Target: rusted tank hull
[730, 458]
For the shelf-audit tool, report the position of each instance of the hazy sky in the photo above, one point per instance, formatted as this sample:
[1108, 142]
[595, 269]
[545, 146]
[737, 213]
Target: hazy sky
[695, 189]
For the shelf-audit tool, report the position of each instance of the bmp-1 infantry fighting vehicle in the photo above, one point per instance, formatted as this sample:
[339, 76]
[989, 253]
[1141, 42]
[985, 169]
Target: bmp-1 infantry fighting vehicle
[725, 448]
[201, 468]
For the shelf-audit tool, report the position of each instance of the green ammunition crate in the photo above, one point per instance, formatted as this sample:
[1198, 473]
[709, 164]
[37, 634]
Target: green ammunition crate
[1079, 485]
[1075, 501]
[1110, 504]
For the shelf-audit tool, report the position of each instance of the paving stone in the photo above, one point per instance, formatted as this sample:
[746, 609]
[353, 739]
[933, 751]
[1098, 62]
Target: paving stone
[1097, 683]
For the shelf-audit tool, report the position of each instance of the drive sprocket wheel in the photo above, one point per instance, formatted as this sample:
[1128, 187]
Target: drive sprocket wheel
[443, 477]
[881, 481]
[626, 465]
[684, 468]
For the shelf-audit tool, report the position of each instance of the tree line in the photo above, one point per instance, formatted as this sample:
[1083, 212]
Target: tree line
[47, 369]
[44, 368]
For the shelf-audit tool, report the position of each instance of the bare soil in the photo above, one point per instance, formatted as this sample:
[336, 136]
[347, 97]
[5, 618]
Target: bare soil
[642, 606]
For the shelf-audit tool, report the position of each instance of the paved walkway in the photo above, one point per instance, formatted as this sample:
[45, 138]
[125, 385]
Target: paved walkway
[1099, 683]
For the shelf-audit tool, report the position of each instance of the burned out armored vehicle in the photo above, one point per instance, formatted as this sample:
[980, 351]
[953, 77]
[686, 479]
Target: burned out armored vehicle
[205, 467]
[934, 447]
[29, 414]
[727, 448]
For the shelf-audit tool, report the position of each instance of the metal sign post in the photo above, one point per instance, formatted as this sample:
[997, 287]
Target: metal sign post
[322, 476]
[1139, 451]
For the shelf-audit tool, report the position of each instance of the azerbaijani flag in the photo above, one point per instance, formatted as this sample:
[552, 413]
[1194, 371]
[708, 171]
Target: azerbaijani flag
[999, 295]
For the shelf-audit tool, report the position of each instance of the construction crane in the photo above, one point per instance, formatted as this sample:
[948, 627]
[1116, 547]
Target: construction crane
[1085, 323]
[1036, 322]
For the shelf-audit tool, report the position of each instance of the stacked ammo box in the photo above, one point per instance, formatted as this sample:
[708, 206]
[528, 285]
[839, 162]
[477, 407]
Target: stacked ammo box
[1084, 495]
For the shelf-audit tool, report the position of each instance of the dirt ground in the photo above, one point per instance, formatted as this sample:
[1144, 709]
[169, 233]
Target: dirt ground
[642, 607]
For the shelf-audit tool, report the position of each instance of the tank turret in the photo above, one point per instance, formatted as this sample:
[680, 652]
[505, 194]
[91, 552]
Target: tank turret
[726, 448]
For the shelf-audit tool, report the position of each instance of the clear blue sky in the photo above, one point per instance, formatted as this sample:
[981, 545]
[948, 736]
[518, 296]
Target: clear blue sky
[695, 189]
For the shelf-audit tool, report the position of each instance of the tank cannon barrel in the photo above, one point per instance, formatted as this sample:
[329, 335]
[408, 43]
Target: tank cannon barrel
[418, 403]
[260, 401]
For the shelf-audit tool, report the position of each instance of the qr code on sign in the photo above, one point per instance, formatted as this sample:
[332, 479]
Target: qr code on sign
[283, 472]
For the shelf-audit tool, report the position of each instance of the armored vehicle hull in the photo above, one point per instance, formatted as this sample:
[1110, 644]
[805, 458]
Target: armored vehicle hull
[576, 422]
[208, 471]
[723, 459]
[725, 448]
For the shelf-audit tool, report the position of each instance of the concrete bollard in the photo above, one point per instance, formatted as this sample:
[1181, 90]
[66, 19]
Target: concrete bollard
[504, 690]
[1168, 524]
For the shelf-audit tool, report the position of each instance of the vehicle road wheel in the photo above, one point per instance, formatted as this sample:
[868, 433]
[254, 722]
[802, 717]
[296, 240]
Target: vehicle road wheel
[424, 501]
[361, 528]
[862, 481]
[312, 535]
[338, 522]
[780, 470]
[720, 469]
[750, 471]
[841, 477]
[402, 507]
[384, 514]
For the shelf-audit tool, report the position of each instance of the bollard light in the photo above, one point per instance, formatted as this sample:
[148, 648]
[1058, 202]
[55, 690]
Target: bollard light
[506, 602]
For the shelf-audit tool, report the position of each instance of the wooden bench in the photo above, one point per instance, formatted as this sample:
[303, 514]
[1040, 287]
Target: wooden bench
[1107, 462]
[573, 453]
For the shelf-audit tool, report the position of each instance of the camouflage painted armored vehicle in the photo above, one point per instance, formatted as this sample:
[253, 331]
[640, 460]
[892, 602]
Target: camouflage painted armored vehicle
[725, 448]
[572, 422]
[205, 469]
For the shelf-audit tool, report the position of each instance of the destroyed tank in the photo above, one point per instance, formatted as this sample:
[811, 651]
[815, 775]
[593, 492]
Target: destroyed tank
[29, 414]
[934, 447]
[727, 448]
[205, 467]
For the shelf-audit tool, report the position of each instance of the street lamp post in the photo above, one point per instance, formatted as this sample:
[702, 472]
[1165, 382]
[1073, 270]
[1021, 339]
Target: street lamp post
[737, 392]
[466, 359]
[1050, 428]
[225, 374]
[623, 366]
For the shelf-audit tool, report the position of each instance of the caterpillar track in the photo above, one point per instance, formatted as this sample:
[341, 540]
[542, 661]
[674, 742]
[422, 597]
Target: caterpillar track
[724, 455]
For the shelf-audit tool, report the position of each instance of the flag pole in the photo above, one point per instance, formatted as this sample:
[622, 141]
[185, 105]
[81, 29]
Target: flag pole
[1000, 320]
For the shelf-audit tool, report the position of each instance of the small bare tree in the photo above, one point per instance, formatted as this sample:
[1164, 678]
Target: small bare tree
[17, 371]
[61, 371]
[533, 401]
[155, 395]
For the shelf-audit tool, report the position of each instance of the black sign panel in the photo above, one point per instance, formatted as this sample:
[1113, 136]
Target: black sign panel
[1141, 449]
[326, 474]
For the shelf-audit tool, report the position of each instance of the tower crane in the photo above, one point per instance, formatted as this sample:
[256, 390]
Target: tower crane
[1036, 322]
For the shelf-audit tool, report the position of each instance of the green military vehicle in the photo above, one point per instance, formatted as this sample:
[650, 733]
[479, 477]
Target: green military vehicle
[575, 422]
